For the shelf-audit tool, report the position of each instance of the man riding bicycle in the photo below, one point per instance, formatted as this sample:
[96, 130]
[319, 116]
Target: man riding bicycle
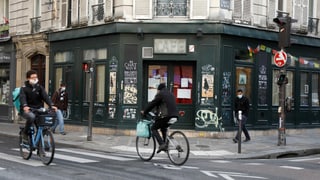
[166, 108]
[32, 95]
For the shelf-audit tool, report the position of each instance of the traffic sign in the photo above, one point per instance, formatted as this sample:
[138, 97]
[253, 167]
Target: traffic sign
[280, 58]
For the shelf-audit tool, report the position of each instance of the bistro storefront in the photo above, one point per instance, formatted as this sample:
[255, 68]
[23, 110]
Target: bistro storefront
[202, 64]
[7, 75]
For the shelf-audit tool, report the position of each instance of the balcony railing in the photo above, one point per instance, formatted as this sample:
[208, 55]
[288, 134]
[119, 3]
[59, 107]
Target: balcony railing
[97, 12]
[171, 8]
[35, 24]
[313, 25]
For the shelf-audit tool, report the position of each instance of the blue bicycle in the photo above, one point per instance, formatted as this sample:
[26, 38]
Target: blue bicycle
[40, 137]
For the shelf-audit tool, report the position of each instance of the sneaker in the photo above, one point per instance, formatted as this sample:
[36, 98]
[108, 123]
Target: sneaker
[246, 140]
[235, 140]
[162, 147]
[63, 133]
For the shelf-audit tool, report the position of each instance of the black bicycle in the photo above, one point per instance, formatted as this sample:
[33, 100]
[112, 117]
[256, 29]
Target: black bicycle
[177, 144]
[40, 137]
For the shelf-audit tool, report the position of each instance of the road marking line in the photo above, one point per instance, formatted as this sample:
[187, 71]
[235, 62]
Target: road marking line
[73, 159]
[254, 164]
[220, 161]
[212, 153]
[305, 159]
[132, 149]
[2, 168]
[19, 159]
[68, 158]
[292, 167]
[97, 155]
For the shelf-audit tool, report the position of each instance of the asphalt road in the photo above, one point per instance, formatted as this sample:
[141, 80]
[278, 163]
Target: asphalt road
[72, 163]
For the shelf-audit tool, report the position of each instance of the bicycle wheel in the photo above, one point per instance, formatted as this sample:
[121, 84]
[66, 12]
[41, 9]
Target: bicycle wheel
[178, 148]
[25, 149]
[46, 147]
[146, 147]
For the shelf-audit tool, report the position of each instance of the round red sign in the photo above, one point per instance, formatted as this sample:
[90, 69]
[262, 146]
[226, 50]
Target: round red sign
[280, 58]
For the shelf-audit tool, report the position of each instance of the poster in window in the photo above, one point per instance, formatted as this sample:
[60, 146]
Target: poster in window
[207, 85]
[242, 78]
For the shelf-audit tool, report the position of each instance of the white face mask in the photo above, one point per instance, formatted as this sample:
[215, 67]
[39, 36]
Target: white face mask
[33, 81]
[239, 96]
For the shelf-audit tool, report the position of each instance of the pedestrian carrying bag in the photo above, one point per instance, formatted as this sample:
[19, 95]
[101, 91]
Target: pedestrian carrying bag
[143, 128]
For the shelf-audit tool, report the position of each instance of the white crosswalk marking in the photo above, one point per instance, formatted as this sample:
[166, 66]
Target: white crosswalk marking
[292, 167]
[73, 159]
[212, 153]
[2, 168]
[118, 158]
[18, 159]
[304, 159]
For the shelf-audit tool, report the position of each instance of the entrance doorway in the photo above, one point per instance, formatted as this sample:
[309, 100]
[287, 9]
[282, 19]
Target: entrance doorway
[38, 63]
[180, 79]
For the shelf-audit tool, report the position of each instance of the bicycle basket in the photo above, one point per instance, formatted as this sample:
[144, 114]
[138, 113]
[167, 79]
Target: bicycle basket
[46, 120]
[143, 128]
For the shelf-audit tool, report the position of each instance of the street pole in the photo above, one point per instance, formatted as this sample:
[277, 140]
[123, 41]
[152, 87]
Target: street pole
[281, 111]
[239, 131]
[91, 99]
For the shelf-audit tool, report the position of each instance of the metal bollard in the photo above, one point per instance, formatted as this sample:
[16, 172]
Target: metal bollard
[239, 131]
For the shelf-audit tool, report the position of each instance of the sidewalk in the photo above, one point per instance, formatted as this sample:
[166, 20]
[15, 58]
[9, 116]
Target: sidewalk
[262, 145]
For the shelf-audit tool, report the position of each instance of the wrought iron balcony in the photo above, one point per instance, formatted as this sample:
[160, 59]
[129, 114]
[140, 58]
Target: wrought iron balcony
[171, 8]
[97, 12]
[35, 24]
[313, 25]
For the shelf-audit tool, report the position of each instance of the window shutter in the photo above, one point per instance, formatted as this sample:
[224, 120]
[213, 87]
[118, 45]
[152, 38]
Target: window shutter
[199, 9]
[109, 8]
[297, 10]
[271, 12]
[237, 9]
[247, 10]
[64, 11]
[142, 9]
[305, 12]
[74, 11]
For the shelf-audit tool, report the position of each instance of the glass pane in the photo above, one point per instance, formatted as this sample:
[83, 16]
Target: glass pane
[4, 84]
[275, 88]
[182, 87]
[243, 80]
[304, 89]
[156, 74]
[58, 78]
[315, 89]
[100, 83]
[243, 55]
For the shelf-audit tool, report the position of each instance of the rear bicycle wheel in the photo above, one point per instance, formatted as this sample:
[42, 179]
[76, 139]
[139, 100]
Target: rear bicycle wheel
[146, 147]
[25, 148]
[178, 148]
[46, 147]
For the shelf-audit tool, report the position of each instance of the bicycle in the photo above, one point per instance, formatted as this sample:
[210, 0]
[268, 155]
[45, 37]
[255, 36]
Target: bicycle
[40, 137]
[178, 145]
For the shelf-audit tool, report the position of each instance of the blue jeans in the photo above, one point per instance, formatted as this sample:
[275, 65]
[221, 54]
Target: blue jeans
[59, 121]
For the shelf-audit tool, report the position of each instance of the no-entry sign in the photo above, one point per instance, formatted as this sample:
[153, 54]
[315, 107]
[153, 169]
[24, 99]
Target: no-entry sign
[280, 58]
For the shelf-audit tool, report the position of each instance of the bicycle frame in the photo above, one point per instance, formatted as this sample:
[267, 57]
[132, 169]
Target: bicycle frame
[35, 138]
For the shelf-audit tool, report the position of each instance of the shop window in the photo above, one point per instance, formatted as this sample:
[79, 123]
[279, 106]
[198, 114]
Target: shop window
[243, 80]
[315, 89]
[58, 77]
[242, 55]
[309, 63]
[156, 74]
[304, 89]
[60, 57]
[4, 83]
[100, 83]
[91, 54]
[182, 87]
[275, 86]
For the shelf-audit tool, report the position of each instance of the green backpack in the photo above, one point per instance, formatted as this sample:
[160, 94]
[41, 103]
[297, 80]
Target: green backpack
[16, 98]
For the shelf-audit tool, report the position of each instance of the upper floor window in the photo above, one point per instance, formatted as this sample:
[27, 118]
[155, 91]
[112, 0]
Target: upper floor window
[37, 8]
[242, 11]
[301, 13]
[171, 8]
[4, 11]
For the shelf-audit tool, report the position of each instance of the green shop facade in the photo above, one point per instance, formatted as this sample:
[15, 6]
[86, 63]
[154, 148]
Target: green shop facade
[203, 64]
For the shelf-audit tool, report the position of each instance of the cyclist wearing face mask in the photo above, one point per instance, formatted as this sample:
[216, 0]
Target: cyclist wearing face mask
[32, 95]
[242, 104]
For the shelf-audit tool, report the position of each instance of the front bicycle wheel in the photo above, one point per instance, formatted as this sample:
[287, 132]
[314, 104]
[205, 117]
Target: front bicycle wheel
[25, 148]
[178, 148]
[46, 147]
[146, 147]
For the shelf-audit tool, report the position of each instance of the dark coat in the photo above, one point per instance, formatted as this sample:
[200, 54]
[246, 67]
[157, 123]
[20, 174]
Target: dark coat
[60, 99]
[165, 101]
[33, 96]
[243, 105]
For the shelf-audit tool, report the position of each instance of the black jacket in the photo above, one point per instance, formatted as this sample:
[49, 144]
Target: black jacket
[60, 99]
[165, 101]
[243, 105]
[33, 96]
